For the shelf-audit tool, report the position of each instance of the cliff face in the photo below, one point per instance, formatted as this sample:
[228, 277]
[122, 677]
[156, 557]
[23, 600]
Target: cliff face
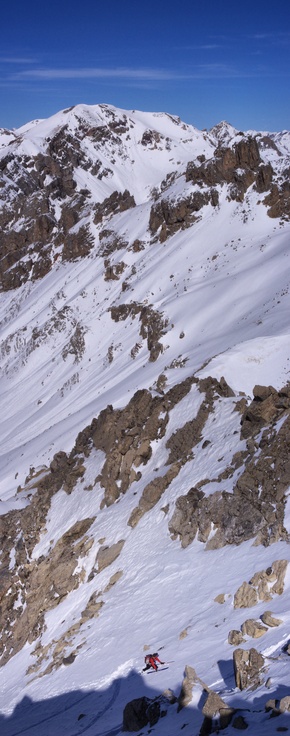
[145, 411]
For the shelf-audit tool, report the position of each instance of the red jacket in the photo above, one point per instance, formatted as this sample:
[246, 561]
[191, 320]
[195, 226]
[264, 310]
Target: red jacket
[149, 659]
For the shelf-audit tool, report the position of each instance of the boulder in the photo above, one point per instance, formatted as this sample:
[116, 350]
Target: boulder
[246, 596]
[145, 711]
[284, 705]
[235, 637]
[134, 714]
[248, 668]
[215, 709]
[220, 598]
[253, 628]
[189, 680]
[240, 723]
[269, 620]
[279, 568]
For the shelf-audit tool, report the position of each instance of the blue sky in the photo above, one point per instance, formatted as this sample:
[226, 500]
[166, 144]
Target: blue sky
[205, 61]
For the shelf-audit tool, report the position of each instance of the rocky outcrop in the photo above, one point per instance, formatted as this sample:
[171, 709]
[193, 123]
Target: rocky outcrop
[255, 507]
[40, 586]
[248, 668]
[116, 202]
[127, 439]
[278, 200]
[267, 406]
[214, 707]
[151, 138]
[152, 494]
[167, 217]
[262, 586]
[139, 713]
[246, 596]
[237, 166]
[153, 325]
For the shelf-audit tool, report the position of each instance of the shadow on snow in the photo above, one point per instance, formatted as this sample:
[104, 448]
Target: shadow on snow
[90, 712]
[100, 712]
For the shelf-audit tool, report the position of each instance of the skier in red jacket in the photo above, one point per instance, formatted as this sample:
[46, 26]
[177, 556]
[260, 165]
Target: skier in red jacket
[151, 661]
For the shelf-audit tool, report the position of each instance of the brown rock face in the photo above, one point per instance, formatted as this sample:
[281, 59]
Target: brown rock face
[278, 200]
[43, 583]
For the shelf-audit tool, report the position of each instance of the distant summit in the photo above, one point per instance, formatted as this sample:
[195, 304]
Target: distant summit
[224, 132]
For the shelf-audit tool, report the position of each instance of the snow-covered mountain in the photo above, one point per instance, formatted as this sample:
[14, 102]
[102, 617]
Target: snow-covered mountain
[145, 398]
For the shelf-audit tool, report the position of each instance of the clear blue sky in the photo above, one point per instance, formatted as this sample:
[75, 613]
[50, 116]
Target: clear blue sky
[205, 61]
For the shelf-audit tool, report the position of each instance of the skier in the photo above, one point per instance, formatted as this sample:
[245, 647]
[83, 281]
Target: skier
[151, 661]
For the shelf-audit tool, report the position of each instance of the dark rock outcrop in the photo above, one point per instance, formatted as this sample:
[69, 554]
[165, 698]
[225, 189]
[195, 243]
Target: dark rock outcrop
[116, 202]
[141, 712]
[168, 217]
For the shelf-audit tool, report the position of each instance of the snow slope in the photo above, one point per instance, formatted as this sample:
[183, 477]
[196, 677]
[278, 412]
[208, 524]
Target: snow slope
[222, 288]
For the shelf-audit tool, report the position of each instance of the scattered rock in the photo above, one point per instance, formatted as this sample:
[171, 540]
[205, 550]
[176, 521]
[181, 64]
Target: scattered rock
[262, 586]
